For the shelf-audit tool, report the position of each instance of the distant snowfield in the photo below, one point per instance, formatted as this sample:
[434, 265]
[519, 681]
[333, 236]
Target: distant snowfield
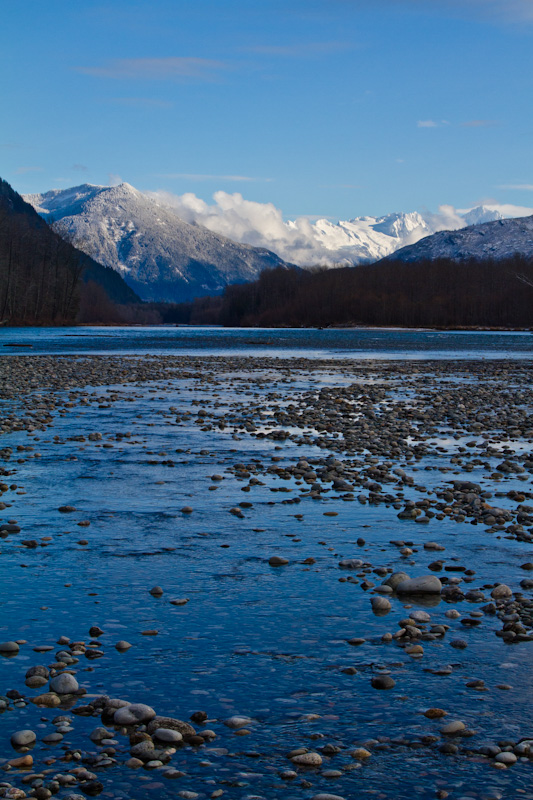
[344, 243]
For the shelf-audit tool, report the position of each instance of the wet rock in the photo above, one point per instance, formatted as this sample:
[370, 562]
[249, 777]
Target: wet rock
[380, 605]
[47, 700]
[395, 579]
[501, 591]
[9, 648]
[171, 723]
[277, 561]
[453, 728]
[167, 735]
[351, 563]
[134, 714]
[64, 684]
[383, 682]
[310, 759]
[426, 584]
[506, 758]
[24, 738]
[238, 722]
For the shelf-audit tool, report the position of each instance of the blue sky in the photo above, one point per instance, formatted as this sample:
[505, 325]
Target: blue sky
[333, 108]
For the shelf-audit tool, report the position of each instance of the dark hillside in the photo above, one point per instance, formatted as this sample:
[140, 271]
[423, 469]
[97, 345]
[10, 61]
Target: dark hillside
[43, 279]
[439, 293]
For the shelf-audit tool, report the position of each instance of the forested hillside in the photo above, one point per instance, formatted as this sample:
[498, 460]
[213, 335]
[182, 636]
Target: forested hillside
[439, 293]
[44, 279]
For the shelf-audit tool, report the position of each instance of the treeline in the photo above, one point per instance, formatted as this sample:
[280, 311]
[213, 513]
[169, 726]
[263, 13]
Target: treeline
[441, 293]
[45, 280]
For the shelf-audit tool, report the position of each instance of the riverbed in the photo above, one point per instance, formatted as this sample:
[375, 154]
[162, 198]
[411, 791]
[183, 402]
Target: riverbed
[235, 516]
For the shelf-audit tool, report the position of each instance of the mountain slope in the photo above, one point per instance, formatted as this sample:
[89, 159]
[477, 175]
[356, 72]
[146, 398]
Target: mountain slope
[491, 240]
[42, 277]
[158, 254]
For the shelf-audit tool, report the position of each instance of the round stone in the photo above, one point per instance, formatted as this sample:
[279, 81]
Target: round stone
[323, 796]
[383, 682]
[134, 714]
[425, 584]
[9, 648]
[452, 728]
[65, 683]
[506, 758]
[501, 591]
[380, 605]
[238, 722]
[307, 759]
[23, 738]
[277, 561]
[167, 735]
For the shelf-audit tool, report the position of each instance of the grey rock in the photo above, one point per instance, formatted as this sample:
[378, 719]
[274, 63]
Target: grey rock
[425, 584]
[133, 714]
[65, 683]
[23, 738]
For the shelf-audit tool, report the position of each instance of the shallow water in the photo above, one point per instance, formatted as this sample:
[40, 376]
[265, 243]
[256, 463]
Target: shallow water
[366, 343]
[252, 640]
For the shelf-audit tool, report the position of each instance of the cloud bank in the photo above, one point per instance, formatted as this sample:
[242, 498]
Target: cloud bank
[306, 241]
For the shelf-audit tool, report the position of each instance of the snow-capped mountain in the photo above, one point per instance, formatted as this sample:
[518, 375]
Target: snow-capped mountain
[174, 248]
[159, 255]
[306, 243]
[496, 240]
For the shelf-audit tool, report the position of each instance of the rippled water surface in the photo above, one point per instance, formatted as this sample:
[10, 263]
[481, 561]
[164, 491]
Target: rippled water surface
[253, 640]
[362, 342]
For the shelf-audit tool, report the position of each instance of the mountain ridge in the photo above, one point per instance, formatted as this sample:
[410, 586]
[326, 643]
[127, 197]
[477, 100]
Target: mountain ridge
[159, 255]
[496, 240]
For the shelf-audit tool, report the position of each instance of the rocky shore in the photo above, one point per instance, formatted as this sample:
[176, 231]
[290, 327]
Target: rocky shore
[400, 483]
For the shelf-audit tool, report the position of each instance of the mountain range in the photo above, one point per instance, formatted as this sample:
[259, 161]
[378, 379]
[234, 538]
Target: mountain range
[497, 240]
[163, 256]
[159, 255]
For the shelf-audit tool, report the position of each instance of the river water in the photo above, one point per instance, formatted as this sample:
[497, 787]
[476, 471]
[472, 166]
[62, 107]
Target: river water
[252, 640]
[287, 342]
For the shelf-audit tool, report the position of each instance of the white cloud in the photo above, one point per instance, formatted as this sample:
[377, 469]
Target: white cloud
[427, 123]
[309, 240]
[25, 170]
[175, 68]
[259, 224]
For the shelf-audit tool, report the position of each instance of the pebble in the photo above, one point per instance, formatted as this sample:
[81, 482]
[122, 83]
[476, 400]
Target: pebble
[380, 605]
[310, 759]
[383, 682]
[453, 727]
[238, 722]
[278, 561]
[9, 648]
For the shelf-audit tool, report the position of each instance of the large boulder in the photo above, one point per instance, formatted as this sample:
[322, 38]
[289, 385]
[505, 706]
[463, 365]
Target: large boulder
[425, 584]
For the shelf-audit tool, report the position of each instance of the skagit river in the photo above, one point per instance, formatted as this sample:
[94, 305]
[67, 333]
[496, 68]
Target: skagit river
[210, 524]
